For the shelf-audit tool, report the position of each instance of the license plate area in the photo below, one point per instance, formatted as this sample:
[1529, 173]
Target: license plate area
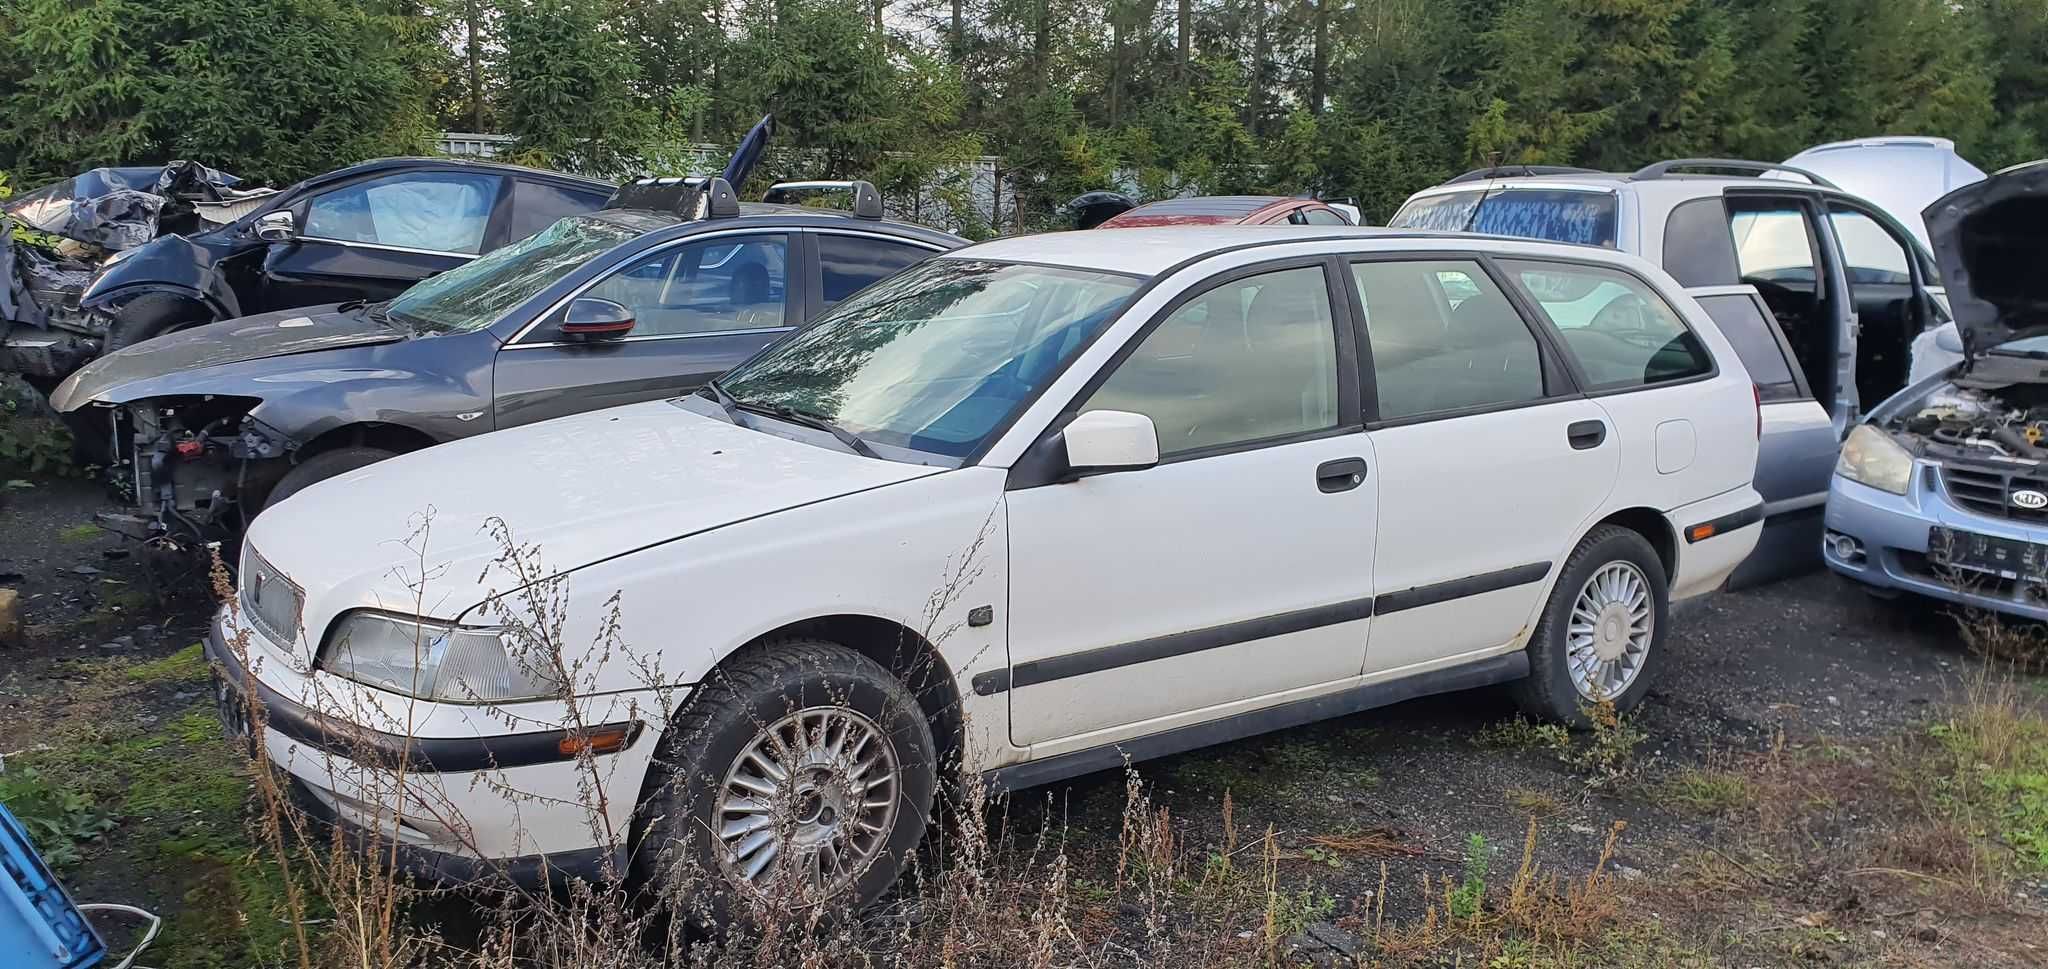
[2006, 558]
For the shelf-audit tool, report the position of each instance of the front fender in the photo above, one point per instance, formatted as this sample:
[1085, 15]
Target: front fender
[171, 264]
[305, 405]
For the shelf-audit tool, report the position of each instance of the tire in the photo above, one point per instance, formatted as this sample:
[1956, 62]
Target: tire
[152, 315]
[699, 771]
[1617, 556]
[321, 467]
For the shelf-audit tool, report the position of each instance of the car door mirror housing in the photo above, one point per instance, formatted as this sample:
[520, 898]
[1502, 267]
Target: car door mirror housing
[1948, 338]
[1110, 440]
[590, 319]
[276, 227]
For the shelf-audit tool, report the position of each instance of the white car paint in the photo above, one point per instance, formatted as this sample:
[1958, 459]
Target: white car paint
[712, 536]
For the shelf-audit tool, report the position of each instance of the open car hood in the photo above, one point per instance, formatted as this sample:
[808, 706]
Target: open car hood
[1990, 239]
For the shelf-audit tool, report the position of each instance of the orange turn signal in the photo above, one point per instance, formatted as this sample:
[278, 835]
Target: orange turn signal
[1698, 532]
[603, 741]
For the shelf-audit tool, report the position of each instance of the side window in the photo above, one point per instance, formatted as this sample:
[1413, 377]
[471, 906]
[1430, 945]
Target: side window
[1698, 247]
[1251, 359]
[436, 211]
[537, 205]
[1324, 217]
[705, 287]
[1619, 330]
[1874, 255]
[1774, 244]
[1755, 338]
[1444, 338]
[850, 264]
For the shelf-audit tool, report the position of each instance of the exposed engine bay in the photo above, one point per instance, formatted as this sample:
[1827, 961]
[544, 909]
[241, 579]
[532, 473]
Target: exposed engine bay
[2008, 425]
[198, 467]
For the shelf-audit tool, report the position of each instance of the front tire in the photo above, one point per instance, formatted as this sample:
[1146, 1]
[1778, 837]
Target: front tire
[152, 315]
[321, 467]
[799, 773]
[1601, 636]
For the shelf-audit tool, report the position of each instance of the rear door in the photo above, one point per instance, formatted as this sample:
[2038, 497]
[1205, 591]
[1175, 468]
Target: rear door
[374, 238]
[1796, 454]
[700, 306]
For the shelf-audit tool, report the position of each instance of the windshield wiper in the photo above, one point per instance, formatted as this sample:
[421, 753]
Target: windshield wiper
[725, 402]
[821, 422]
[380, 313]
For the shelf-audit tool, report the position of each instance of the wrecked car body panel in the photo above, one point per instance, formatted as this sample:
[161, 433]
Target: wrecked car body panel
[168, 264]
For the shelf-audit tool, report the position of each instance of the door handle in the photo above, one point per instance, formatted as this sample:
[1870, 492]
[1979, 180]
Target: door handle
[1342, 474]
[1586, 435]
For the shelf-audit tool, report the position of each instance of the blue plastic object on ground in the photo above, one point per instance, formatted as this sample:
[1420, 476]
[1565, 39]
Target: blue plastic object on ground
[40, 927]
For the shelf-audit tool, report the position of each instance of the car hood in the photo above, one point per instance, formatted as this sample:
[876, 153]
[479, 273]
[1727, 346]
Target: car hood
[136, 371]
[572, 491]
[1990, 239]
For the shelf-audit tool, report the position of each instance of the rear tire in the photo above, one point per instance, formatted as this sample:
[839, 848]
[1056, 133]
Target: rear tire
[1601, 634]
[838, 826]
[321, 467]
[152, 315]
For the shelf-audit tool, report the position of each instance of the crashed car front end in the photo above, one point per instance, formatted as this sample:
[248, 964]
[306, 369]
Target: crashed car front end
[59, 238]
[1943, 490]
[189, 462]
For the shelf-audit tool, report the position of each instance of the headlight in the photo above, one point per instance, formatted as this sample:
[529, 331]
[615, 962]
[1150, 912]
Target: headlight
[1870, 456]
[432, 660]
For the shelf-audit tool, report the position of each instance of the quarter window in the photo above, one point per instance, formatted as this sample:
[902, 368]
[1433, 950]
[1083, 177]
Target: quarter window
[1246, 361]
[537, 205]
[705, 287]
[1755, 338]
[849, 264]
[1444, 338]
[1620, 331]
[435, 211]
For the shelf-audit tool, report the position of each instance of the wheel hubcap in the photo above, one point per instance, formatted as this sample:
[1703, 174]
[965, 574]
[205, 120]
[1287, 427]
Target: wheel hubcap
[1609, 634]
[808, 804]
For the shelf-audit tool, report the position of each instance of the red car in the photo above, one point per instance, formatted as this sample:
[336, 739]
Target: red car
[1229, 210]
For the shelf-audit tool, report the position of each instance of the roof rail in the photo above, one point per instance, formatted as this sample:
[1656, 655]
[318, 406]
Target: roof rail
[689, 196]
[867, 202]
[1513, 171]
[1664, 168]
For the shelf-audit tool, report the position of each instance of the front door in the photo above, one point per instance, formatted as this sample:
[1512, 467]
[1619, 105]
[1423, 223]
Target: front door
[1465, 391]
[373, 239]
[699, 308]
[1788, 252]
[1237, 572]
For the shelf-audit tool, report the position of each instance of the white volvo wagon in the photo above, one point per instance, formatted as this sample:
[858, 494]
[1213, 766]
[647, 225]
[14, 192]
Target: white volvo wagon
[1032, 507]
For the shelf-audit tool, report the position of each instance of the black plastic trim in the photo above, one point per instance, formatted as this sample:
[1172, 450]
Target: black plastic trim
[1487, 672]
[1727, 523]
[377, 748]
[1471, 585]
[1180, 644]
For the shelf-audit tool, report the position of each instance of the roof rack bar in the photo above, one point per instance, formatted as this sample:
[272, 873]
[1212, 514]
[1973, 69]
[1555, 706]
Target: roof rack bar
[1513, 171]
[867, 202]
[1663, 168]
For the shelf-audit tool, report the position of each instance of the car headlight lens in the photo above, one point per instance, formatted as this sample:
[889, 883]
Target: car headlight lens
[1870, 456]
[433, 661]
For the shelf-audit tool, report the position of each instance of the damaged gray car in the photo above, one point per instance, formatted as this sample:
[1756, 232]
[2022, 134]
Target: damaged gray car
[651, 298]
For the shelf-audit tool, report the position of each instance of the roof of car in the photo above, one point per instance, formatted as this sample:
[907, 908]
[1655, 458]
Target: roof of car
[757, 213]
[1201, 209]
[1148, 251]
[414, 161]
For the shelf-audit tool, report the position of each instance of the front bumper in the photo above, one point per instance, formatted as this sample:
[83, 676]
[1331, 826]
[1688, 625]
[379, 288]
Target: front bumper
[475, 809]
[1891, 533]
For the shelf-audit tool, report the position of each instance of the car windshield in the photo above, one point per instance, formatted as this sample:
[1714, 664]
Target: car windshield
[473, 296]
[938, 357]
[1559, 215]
[2032, 346]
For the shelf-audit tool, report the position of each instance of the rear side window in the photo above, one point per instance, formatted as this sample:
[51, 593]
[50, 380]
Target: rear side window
[1619, 330]
[1324, 217]
[1755, 339]
[1699, 249]
[1558, 215]
[852, 263]
[537, 205]
[1444, 338]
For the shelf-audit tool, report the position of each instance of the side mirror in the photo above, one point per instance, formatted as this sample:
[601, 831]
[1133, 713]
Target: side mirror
[1110, 440]
[590, 318]
[276, 227]
[1947, 337]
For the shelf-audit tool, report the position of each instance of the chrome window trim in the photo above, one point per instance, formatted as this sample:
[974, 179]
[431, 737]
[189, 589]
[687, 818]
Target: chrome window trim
[384, 248]
[652, 337]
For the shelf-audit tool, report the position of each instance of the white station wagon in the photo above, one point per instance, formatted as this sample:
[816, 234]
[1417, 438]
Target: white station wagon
[1032, 507]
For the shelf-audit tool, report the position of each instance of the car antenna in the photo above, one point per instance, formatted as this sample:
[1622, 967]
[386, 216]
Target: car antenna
[1473, 219]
